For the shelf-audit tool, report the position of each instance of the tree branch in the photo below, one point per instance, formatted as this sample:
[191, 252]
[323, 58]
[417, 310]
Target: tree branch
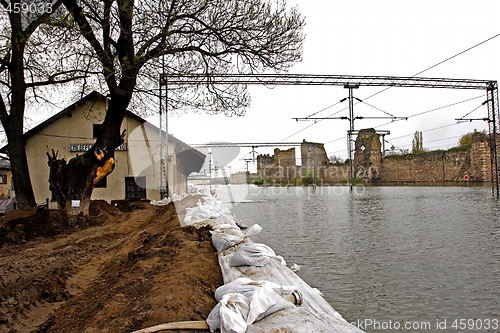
[44, 18]
[88, 33]
[53, 81]
[4, 115]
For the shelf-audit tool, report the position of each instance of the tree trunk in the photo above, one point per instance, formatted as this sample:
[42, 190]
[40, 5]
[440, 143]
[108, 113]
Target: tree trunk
[13, 125]
[72, 183]
[20, 171]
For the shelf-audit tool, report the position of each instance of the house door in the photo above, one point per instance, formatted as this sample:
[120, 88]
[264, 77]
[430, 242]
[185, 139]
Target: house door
[135, 187]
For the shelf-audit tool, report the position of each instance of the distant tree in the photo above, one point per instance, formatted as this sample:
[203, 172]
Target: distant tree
[335, 160]
[417, 143]
[134, 41]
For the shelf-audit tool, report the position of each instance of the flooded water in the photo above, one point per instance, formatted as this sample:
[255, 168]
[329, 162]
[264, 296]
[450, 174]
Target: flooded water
[402, 259]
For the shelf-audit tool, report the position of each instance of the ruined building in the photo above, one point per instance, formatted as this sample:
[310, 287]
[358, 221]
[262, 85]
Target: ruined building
[454, 165]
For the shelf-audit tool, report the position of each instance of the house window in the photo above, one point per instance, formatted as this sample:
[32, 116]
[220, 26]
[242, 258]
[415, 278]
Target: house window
[96, 129]
[103, 183]
[3, 179]
[135, 187]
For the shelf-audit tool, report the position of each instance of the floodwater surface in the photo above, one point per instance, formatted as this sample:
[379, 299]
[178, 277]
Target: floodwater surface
[389, 259]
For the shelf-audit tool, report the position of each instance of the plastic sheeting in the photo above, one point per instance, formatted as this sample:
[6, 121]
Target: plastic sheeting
[244, 301]
[6, 204]
[263, 272]
[211, 209]
[253, 254]
[166, 201]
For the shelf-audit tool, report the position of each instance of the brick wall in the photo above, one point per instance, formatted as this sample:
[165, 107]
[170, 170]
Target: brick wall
[441, 166]
[436, 166]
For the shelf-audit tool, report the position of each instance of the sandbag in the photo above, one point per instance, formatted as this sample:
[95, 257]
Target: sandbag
[256, 300]
[229, 315]
[254, 254]
[223, 241]
[254, 230]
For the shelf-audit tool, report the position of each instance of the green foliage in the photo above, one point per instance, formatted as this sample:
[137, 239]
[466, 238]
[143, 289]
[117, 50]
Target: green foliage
[297, 181]
[259, 182]
[397, 157]
[358, 181]
[307, 178]
[412, 155]
[262, 181]
[417, 146]
[465, 141]
[459, 148]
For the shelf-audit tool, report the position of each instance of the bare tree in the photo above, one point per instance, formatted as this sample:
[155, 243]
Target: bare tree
[135, 41]
[29, 61]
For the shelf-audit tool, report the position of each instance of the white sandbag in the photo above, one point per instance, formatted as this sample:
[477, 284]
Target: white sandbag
[162, 202]
[247, 287]
[265, 301]
[241, 286]
[254, 230]
[223, 241]
[254, 254]
[228, 217]
[187, 220]
[261, 299]
[210, 208]
[229, 229]
[229, 315]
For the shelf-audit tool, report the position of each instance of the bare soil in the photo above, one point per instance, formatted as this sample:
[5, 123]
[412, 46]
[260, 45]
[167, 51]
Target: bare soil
[123, 268]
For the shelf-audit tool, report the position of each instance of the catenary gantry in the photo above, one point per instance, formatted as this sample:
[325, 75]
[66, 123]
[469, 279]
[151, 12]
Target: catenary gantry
[490, 86]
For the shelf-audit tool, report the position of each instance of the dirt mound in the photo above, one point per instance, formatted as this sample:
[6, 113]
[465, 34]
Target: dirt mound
[20, 226]
[129, 268]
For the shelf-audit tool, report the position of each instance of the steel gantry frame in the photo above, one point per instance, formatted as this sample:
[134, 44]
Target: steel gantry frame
[490, 86]
[250, 145]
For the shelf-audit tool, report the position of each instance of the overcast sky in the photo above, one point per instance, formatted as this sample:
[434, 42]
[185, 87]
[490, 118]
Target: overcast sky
[369, 37]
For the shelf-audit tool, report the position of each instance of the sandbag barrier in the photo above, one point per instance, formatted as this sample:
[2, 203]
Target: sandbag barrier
[260, 293]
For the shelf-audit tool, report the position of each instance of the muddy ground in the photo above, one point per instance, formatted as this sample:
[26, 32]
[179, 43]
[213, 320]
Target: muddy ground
[121, 269]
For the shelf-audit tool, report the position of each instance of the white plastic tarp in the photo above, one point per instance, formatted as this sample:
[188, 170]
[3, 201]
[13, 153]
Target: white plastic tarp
[244, 301]
[254, 254]
[252, 299]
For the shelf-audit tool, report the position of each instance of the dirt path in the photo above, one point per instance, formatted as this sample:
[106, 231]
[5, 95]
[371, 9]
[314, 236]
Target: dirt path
[118, 271]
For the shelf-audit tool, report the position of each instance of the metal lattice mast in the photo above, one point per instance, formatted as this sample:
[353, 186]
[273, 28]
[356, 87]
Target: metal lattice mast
[350, 142]
[163, 128]
[493, 123]
[320, 80]
[345, 80]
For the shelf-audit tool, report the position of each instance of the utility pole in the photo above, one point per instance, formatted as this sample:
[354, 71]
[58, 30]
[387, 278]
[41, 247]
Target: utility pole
[210, 170]
[350, 132]
[314, 165]
[344, 80]
[163, 140]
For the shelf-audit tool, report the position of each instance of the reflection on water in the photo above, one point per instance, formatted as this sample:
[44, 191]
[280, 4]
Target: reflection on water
[400, 254]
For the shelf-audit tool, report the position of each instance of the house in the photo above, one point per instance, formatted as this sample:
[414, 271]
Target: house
[137, 170]
[6, 189]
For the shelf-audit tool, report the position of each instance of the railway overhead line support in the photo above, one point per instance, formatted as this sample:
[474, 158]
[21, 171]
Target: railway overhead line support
[489, 86]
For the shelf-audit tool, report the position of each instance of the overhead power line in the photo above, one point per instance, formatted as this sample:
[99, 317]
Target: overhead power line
[385, 89]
